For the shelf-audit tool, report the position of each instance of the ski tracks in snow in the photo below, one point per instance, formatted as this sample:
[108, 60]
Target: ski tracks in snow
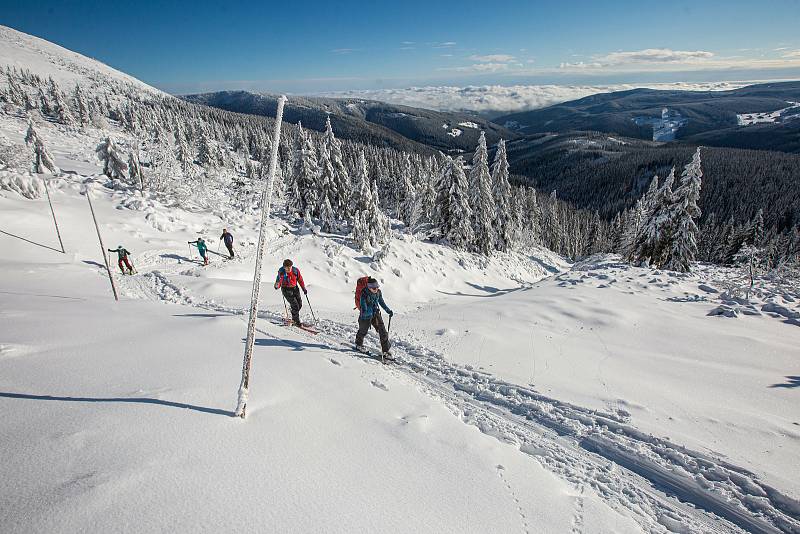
[663, 486]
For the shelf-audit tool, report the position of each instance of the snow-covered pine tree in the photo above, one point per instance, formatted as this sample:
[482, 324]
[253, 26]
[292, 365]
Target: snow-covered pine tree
[408, 194]
[44, 104]
[652, 241]
[616, 232]
[84, 115]
[135, 170]
[529, 232]
[114, 165]
[683, 234]
[482, 200]
[459, 214]
[42, 159]
[501, 189]
[60, 107]
[340, 177]
[755, 232]
[425, 202]
[306, 174]
[636, 220]
[326, 190]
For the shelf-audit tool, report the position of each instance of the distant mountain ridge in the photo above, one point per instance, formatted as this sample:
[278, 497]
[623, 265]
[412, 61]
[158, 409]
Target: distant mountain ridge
[712, 117]
[368, 121]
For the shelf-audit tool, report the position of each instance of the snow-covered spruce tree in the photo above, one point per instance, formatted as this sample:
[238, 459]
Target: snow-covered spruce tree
[326, 191]
[377, 221]
[636, 220]
[42, 159]
[652, 243]
[596, 240]
[81, 104]
[135, 170]
[501, 189]
[616, 232]
[306, 174]
[44, 104]
[60, 108]
[425, 202]
[114, 165]
[755, 231]
[529, 231]
[482, 200]
[459, 232]
[340, 179]
[553, 233]
[408, 195]
[683, 234]
[370, 226]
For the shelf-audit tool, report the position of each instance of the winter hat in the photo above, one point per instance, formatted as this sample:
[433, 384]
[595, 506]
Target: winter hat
[373, 284]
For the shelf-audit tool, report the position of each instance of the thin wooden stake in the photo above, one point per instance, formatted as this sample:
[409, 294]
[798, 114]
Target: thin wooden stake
[266, 200]
[102, 246]
[55, 222]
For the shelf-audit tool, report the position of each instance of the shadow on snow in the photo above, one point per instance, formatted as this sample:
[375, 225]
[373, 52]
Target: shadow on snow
[131, 400]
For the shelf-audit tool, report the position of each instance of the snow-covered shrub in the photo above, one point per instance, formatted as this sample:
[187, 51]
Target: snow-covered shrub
[27, 185]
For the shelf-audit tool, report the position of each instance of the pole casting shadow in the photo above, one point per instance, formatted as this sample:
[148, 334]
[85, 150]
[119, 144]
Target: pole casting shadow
[132, 400]
[29, 241]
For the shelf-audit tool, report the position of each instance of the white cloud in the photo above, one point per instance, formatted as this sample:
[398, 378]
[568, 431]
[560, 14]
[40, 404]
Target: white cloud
[493, 58]
[665, 59]
[792, 54]
[480, 67]
[509, 98]
[655, 55]
[344, 50]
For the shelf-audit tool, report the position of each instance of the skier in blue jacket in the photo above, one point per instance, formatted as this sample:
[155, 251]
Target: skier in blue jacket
[371, 299]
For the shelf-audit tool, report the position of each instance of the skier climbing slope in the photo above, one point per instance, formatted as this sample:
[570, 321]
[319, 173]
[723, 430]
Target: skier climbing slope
[122, 259]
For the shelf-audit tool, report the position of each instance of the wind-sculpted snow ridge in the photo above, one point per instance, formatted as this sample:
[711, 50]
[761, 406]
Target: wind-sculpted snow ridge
[662, 485]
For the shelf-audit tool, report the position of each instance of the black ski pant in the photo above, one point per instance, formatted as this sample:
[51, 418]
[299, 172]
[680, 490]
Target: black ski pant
[292, 296]
[230, 249]
[375, 321]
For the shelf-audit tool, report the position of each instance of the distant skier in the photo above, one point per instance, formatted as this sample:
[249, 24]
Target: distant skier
[227, 238]
[369, 298]
[288, 279]
[202, 248]
[122, 259]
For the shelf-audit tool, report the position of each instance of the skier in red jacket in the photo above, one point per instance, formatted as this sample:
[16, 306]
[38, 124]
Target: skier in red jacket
[289, 278]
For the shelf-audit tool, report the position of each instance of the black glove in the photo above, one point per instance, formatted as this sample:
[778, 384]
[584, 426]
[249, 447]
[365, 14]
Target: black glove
[305, 291]
[391, 313]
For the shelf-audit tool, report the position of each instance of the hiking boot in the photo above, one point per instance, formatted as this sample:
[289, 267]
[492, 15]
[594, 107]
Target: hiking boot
[362, 349]
[387, 355]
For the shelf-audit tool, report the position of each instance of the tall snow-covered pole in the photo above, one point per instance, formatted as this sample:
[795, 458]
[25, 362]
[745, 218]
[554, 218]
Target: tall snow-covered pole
[266, 200]
[55, 222]
[102, 246]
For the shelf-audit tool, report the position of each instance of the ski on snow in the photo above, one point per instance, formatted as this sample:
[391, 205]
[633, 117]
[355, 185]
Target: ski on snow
[374, 355]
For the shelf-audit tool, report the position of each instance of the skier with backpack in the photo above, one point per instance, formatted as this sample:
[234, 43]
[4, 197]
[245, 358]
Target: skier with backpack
[368, 298]
[288, 280]
[202, 248]
[122, 259]
[227, 238]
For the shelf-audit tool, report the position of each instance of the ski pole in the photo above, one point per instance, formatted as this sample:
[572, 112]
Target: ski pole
[312, 309]
[285, 306]
[389, 328]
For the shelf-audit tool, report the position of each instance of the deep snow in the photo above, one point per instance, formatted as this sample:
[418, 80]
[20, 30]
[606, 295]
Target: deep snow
[529, 395]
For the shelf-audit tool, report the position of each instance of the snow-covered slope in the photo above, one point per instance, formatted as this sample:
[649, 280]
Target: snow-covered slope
[22, 51]
[529, 394]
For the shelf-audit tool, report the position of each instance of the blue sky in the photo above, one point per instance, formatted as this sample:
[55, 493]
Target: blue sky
[315, 45]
